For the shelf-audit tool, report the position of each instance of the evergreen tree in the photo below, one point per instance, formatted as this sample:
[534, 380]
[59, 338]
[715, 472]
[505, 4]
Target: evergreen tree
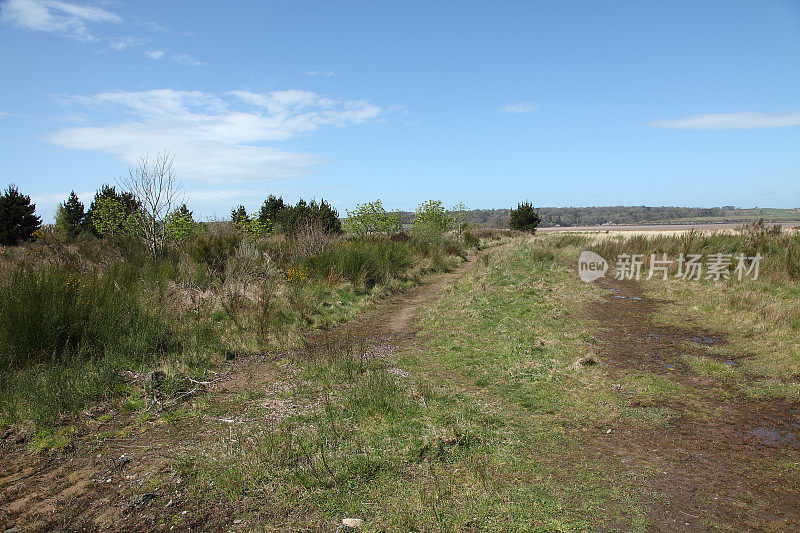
[17, 219]
[524, 218]
[71, 215]
[239, 215]
[271, 209]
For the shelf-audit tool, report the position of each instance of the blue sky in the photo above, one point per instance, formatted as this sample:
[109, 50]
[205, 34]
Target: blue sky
[487, 103]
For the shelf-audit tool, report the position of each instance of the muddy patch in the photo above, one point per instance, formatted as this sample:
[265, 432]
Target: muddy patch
[720, 461]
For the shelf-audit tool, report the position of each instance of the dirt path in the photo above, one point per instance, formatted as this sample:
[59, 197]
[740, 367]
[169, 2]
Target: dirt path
[721, 460]
[119, 474]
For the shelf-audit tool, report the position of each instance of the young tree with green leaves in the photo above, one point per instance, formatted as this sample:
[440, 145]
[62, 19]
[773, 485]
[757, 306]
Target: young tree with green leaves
[180, 225]
[524, 218]
[108, 216]
[371, 219]
[431, 220]
[17, 219]
[126, 199]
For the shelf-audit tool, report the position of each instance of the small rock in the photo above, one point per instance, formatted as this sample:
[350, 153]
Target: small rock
[608, 431]
[350, 524]
[237, 521]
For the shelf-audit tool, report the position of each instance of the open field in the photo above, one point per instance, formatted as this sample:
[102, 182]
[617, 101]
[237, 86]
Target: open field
[499, 393]
[663, 229]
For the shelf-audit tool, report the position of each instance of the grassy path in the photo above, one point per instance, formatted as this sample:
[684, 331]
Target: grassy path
[505, 396]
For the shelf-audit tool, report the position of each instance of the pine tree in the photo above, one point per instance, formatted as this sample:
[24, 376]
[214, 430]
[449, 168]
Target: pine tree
[71, 215]
[17, 220]
[524, 218]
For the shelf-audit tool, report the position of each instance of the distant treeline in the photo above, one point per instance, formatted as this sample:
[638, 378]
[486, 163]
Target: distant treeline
[596, 216]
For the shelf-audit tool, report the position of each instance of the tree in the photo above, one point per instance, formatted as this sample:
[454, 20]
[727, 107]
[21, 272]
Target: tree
[17, 220]
[524, 218]
[271, 210]
[371, 219]
[321, 215]
[180, 225]
[125, 199]
[108, 216]
[155, 187]
[70, 215]
[458, 217]
[239, 215]
[431, 220]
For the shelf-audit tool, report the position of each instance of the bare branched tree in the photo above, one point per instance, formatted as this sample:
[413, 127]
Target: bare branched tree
[157, 190]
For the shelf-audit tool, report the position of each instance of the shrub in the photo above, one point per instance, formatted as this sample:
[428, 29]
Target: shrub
[471, 240]
[17, 220]
[363, 261]
[53, 314]
[213, 248]
[524, 218]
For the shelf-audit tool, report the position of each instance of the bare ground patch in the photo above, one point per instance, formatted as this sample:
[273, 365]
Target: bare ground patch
[722, 460]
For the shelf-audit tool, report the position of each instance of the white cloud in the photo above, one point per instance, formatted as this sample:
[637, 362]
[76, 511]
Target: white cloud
[154, 54]
[520, 107]
[215, 138]
[745, 120]
[123, 43]
[186, 59]
[324, 73]
[54, 16]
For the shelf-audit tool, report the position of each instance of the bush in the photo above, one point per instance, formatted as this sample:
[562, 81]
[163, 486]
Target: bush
[471, 240]
[524, 218]
[213, 248]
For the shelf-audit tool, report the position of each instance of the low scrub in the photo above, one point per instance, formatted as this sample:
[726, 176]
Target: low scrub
[55, 314]
[363, 262]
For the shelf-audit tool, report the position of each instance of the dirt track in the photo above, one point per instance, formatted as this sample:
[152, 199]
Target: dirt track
[720, 459]
[97, 481]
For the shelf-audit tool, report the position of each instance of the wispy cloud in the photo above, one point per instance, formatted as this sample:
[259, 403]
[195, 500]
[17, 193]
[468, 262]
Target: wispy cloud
[745, 120]
[186, 59]
[154, 54]
[54, 16]
[520, 107]
[123, 43]
[215, 138]
[324, 73]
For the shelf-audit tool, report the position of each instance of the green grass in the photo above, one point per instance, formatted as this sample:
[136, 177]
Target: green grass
[478, 428]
